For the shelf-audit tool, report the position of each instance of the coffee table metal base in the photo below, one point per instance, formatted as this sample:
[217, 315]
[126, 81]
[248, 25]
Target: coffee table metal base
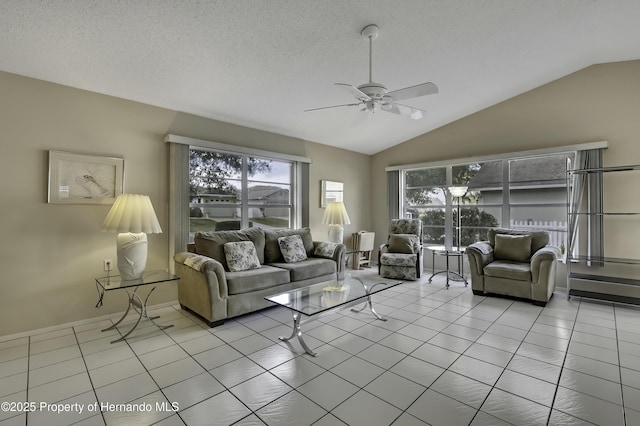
[297, 331]
[297, 317]
[368, 301]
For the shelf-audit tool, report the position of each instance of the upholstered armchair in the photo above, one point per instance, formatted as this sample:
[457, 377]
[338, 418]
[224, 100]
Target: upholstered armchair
[514, 263]
[401, 256]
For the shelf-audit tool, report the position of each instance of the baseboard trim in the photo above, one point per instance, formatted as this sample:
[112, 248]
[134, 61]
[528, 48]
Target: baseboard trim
[115, 315]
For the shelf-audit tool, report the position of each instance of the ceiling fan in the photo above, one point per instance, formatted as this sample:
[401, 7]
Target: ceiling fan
[374, 96]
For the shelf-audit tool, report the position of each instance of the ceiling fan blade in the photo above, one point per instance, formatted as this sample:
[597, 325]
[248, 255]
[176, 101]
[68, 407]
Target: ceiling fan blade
[413, 91]
[333, 106]
[355, 92]
[405, 110]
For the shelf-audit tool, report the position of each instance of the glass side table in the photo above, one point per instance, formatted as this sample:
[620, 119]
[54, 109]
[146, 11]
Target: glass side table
[114, 282]
[447, 253]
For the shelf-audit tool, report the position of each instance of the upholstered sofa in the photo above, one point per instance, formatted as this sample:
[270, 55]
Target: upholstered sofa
[220, 280]
[514, 263]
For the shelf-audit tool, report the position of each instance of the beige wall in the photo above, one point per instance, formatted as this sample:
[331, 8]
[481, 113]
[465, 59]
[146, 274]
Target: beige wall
[598, 103]
[50, 252]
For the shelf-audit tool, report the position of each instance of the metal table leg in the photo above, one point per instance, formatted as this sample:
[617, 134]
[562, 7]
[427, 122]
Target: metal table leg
[141, 308]
[297, 331]
[368, 301]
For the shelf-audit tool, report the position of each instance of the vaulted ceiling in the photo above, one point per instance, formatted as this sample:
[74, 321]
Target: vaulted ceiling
[262, 63]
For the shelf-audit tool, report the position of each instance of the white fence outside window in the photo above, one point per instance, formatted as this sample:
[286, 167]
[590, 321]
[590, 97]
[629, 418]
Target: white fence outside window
[557, 230]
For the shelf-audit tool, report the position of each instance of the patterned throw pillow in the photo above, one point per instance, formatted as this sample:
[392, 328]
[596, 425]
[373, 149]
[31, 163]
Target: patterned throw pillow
[324, 249]
[292, 248]
[241, 256]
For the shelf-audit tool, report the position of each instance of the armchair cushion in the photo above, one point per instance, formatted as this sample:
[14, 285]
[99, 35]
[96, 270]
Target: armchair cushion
[539, 239]
[399, 259]
[402, 243]
[516, 248]
[241, 256]
[517, 271]
[292, 248]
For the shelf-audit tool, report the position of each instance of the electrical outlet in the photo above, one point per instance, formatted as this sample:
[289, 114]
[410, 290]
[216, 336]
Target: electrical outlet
[108, 265]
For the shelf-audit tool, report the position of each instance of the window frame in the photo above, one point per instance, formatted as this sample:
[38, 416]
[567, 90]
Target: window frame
[450, 203]
[179, 147]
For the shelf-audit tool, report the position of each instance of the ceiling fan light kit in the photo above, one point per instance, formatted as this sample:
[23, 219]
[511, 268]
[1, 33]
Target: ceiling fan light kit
[372, 96]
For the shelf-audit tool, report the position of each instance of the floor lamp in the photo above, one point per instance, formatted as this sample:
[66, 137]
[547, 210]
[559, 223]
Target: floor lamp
[458, 192]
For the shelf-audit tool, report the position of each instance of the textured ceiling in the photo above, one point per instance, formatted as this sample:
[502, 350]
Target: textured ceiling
[261, 63]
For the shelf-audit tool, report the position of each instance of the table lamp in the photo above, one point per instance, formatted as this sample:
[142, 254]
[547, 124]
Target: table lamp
[335, 216]
[133, 217]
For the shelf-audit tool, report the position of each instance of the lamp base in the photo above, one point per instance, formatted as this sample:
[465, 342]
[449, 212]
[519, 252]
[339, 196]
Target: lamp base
[132, 255]
[336, 233]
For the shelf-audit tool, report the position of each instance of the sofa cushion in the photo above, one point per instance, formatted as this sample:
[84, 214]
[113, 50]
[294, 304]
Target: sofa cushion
[292, 248]
[507, 269]
[211, 244]
[256, 279]
[311, 268]
[272, 249]
[241, 256]
[539, 239]
[513, 247]
[402, 243]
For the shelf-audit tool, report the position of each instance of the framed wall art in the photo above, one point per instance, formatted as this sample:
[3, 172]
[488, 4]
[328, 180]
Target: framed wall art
[330, 191]
[84, 179]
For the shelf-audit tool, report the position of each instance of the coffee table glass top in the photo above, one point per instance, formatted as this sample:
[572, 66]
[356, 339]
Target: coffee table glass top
[324, 296]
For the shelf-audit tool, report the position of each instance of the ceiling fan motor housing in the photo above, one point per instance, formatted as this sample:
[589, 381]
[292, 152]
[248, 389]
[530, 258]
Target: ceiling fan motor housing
[373, 90]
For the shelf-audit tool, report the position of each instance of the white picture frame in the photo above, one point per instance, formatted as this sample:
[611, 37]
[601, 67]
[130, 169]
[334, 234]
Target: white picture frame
[330, 191]
[84, 179]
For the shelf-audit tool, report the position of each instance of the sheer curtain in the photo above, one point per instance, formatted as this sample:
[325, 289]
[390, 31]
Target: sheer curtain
[589, 185]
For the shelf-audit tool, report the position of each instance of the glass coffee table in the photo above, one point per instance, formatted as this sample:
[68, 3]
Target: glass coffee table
[328, 296]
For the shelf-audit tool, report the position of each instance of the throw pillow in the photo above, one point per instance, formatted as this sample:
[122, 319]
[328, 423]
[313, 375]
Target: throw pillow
[292, 248]
[325, 249]
[241, 256]
[516, 248]
[402, 243]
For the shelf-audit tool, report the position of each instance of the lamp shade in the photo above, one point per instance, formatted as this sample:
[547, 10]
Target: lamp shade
[457, 191]
[336, 214]
[132, 213]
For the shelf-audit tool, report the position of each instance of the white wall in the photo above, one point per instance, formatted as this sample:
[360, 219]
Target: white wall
[51, 253]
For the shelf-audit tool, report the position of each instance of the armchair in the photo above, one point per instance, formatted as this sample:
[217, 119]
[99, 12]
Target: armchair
[514, 263]
[401, 256]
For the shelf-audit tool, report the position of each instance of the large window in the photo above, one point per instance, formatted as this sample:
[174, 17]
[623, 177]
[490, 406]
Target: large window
[230, 191]
[519, 193]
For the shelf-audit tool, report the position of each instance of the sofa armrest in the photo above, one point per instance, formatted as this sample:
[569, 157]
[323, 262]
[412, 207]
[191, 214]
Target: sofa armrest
[339, 254]
[203, 285]
[480, 254]
[541, 262]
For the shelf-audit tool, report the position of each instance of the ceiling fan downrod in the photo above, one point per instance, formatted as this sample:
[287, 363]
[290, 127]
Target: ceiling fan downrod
[371, 32]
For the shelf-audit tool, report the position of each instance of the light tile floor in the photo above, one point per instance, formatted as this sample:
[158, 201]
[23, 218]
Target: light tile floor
[444, 357]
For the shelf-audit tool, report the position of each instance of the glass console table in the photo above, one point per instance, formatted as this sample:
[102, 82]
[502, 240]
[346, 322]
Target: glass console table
[114, 282]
